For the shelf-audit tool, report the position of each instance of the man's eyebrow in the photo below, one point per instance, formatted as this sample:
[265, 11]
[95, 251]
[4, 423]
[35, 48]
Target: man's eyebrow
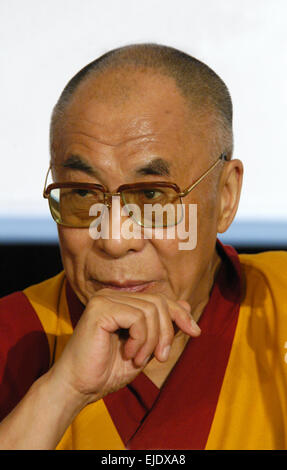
[158, 166]
[76, 162]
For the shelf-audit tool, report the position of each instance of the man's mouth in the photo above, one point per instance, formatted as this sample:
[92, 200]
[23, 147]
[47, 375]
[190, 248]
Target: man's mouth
[125, 286]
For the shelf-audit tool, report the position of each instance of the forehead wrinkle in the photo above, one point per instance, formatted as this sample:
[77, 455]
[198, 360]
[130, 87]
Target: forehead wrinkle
[127, 137]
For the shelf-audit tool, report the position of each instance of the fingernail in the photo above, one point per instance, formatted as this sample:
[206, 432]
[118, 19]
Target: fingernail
[195, 326]
[165, 353]
[145, 361]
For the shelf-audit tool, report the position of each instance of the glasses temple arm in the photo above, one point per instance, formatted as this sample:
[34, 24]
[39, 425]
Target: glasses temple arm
[45, 184]
[190, 188]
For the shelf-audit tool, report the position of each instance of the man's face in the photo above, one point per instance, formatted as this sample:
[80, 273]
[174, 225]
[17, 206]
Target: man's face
[121, 129]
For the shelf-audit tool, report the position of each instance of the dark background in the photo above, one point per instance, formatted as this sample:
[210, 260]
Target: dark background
[27, 264]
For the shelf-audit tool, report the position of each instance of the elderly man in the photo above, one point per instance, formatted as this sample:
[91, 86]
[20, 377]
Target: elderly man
[146, 340]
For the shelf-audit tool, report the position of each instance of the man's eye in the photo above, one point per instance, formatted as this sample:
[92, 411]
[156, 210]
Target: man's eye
[81, 192]
[152, 193]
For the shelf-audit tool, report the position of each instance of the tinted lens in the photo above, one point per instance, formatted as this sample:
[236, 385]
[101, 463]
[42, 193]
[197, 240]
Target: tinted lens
[71, 206]
[156, 206]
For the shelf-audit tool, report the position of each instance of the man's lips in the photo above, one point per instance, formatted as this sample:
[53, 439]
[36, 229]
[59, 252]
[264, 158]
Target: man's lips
[126, 286]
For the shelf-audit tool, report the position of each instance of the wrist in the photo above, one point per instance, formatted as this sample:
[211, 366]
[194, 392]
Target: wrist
[41, 418]
[63, 394]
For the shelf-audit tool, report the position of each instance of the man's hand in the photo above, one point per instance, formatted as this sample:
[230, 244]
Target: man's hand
[115, 337]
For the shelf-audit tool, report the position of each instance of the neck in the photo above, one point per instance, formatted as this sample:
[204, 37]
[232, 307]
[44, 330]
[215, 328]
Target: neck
[207, 280]
[157, 371]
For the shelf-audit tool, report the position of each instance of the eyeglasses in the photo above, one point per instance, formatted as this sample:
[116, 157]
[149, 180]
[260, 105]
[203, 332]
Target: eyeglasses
[150, 204]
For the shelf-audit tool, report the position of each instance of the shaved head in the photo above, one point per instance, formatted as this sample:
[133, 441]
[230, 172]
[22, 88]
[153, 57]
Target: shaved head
[206, 95]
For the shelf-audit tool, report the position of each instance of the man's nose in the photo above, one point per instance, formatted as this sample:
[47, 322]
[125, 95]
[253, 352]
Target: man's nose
[123, 235]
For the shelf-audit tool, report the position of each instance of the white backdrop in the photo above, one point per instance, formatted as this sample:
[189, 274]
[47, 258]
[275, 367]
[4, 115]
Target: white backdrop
[44, 43]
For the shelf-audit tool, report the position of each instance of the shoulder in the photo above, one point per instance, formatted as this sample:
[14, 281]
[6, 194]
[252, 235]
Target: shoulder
[265, 278]
[33, 310]
[269, 268]
[264, 303]
[46, 292]
[17, 317]
[24, 343]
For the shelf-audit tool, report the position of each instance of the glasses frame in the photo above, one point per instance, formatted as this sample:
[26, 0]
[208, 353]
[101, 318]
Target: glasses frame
[108, 195]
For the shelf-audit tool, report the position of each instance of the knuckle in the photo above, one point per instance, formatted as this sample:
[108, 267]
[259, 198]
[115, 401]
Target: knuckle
[97, 300]
[98, 306]
[162, 301]
[139, 313]
[159, 301]
[151, 310]
[161, 297]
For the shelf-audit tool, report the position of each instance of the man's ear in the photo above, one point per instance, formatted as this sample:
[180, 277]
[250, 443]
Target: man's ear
[229, 193]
